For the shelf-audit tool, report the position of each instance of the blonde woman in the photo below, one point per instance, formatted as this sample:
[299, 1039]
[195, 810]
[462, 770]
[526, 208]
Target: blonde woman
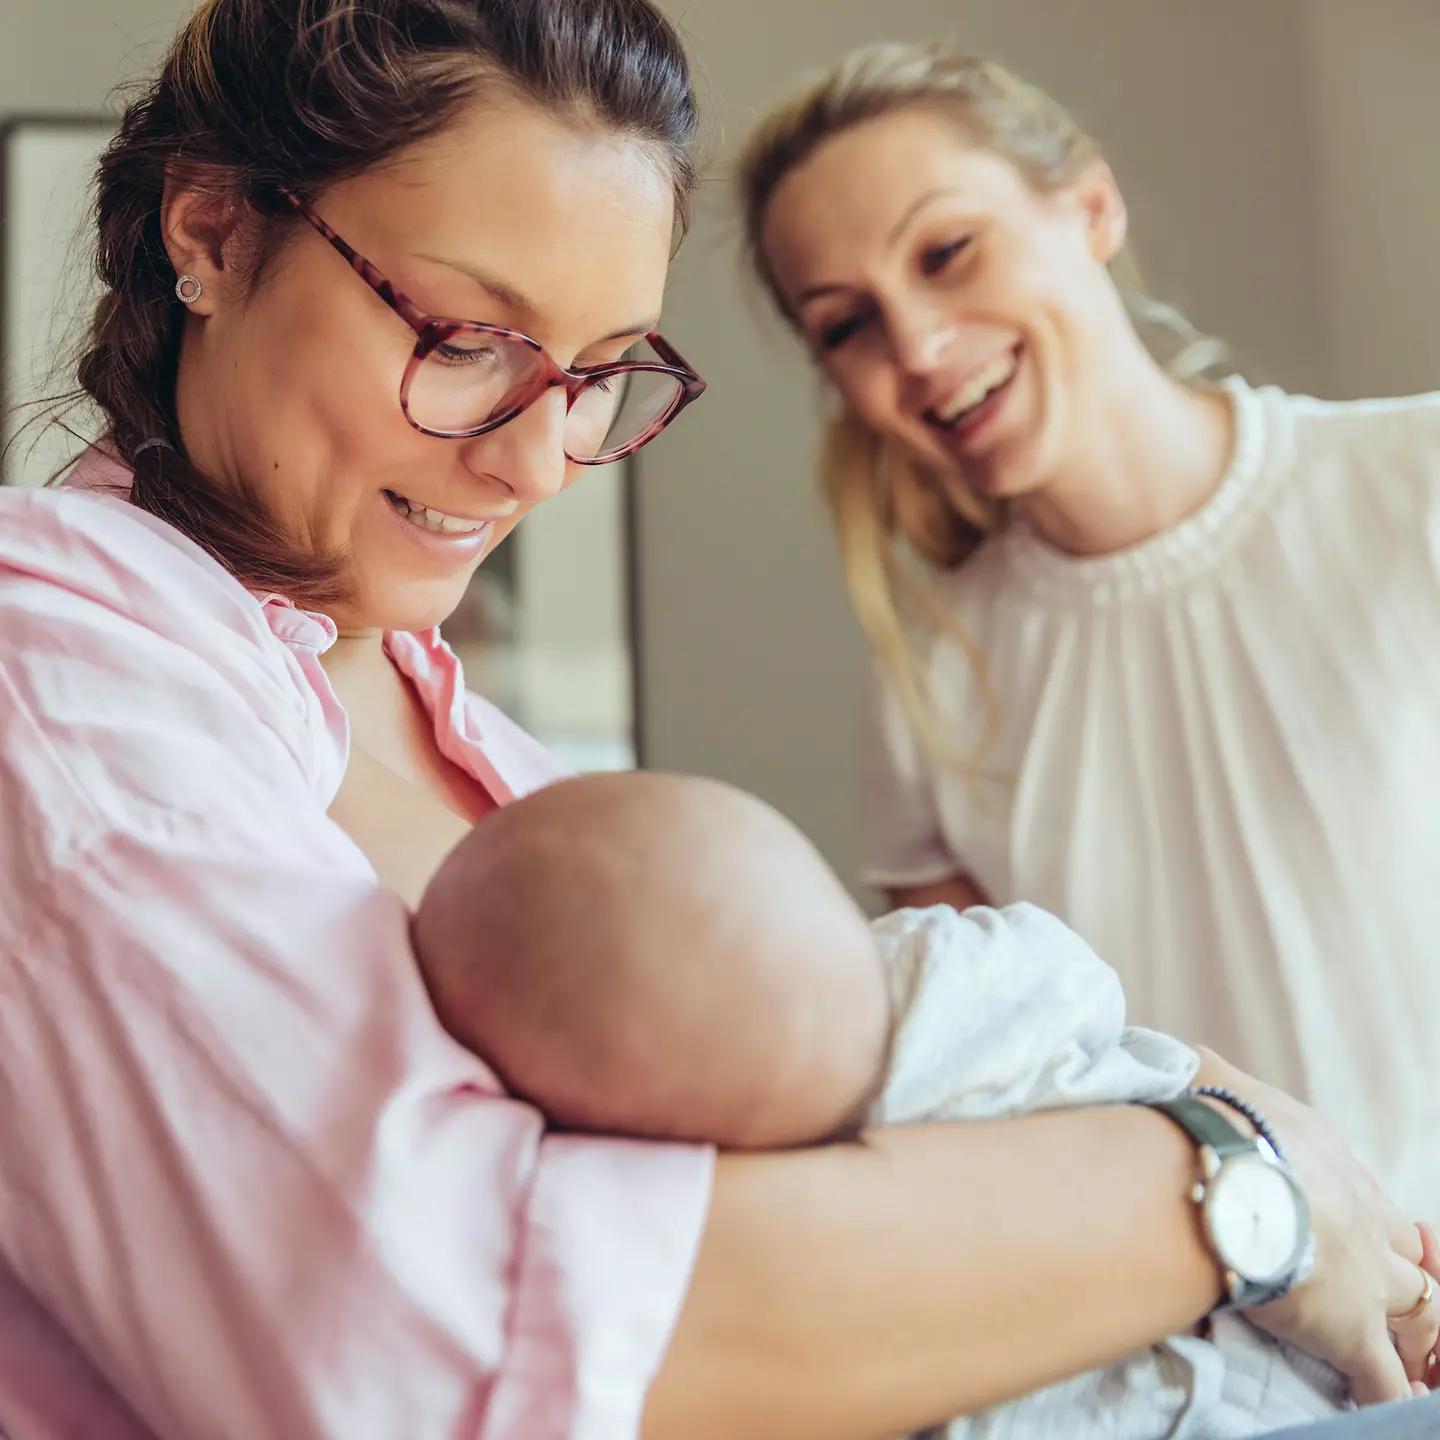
[1160, 655]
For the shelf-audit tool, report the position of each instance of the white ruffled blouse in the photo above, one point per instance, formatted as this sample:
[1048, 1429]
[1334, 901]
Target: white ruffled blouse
[1218, 759]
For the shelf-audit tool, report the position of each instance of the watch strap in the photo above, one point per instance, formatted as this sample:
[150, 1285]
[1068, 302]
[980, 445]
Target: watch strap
[1205, 1125]
[1243, 1107]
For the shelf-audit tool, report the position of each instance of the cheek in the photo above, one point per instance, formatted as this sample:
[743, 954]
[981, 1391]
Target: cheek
[1059, 288]
[324, 417]
[331, 381]
[869, 388]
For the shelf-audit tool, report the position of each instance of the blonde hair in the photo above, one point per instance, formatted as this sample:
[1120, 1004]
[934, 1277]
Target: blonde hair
[888, 512]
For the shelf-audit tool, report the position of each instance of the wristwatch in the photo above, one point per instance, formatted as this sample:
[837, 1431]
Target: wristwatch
[1253, 1212]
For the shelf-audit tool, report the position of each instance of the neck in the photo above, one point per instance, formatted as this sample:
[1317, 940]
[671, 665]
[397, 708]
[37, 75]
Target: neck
[356, 653]
[1152, 452]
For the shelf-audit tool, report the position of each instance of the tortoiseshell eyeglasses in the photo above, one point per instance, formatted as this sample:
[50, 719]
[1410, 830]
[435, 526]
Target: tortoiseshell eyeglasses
[465, 378]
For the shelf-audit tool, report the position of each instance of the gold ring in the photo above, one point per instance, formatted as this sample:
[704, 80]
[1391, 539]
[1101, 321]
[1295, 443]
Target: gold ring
[1425, 1296]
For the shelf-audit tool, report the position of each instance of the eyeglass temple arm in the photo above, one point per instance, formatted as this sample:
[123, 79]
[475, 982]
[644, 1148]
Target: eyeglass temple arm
[400, 303]
[672, 357]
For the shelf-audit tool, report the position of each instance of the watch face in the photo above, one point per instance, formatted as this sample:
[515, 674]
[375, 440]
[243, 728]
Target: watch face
[1255, 1217]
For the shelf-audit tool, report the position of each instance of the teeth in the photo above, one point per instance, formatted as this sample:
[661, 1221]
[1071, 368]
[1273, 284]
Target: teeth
[992, 377]
[437, 522]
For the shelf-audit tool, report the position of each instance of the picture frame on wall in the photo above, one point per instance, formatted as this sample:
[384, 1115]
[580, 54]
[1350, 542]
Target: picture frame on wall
[47, 283]
[545, 629]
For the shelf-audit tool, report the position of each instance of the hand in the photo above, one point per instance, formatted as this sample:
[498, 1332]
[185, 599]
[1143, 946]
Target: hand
[1368, 1258]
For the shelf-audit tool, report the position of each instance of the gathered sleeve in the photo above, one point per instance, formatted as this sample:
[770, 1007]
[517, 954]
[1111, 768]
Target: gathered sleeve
[903, 841]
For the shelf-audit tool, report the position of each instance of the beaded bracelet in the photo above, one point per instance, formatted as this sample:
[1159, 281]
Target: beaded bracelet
[1245, 1108]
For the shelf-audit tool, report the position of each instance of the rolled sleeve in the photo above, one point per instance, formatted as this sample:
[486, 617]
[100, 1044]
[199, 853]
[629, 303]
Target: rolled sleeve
[590, 1384]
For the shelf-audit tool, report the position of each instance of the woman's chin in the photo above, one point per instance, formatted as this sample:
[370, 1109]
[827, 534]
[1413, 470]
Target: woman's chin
[412, 604]
[1009, 472]
[1005, 484]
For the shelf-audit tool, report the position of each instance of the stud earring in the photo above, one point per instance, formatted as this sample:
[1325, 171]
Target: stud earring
[188, 289]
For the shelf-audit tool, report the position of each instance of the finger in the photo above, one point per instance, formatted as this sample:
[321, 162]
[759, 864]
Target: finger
[1377, 1376]
[1405, 1286]
[1407, 1239]
[1414, 1327]
[1415, 1342]
[1429, 1249]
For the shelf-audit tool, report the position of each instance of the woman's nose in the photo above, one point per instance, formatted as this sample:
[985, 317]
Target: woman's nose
[920, 340]
[526, 454]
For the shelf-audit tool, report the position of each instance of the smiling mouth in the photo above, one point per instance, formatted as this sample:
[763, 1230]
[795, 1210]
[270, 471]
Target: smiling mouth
[436, 522]
[970, 399]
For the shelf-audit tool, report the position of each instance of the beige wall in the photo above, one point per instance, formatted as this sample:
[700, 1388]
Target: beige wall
[59, 56]
[751, 666]
[1376, 124]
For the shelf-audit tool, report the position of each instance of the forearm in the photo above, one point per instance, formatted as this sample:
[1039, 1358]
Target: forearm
[1215, 1071]
[867, 1290]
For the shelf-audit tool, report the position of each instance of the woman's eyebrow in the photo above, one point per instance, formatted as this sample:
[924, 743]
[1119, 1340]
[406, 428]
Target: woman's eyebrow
[898, 229]
[506, 294]
[815, 292]
[514, 300]
[643, 328]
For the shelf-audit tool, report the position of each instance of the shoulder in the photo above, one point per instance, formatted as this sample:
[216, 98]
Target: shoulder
[1393, 415]
[1357, 482]
[1018, 950]
[1007, 930]
[85, 573]
[1338, 439]
[133, 669]
[97, 548]
[89, 582]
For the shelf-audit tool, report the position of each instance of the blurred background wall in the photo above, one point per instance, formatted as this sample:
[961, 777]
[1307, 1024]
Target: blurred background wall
[1278, 160]
[67, 55]
[1373, 127]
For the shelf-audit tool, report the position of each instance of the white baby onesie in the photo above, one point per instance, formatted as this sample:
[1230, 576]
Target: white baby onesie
[1002, 1012]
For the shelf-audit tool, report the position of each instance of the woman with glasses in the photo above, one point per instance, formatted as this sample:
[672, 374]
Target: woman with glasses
[379, 280]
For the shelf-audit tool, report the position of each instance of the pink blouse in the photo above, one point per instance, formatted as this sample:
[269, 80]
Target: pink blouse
[248, 1186]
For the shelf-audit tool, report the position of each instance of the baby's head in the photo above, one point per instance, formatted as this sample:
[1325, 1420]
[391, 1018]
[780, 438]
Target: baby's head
[659, 956]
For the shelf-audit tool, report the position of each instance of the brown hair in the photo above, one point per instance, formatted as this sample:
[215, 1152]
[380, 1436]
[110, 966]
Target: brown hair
[257, 97]
[889, 513]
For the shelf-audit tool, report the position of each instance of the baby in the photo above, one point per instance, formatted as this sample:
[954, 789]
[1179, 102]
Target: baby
[655, 956]
[667, 957]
